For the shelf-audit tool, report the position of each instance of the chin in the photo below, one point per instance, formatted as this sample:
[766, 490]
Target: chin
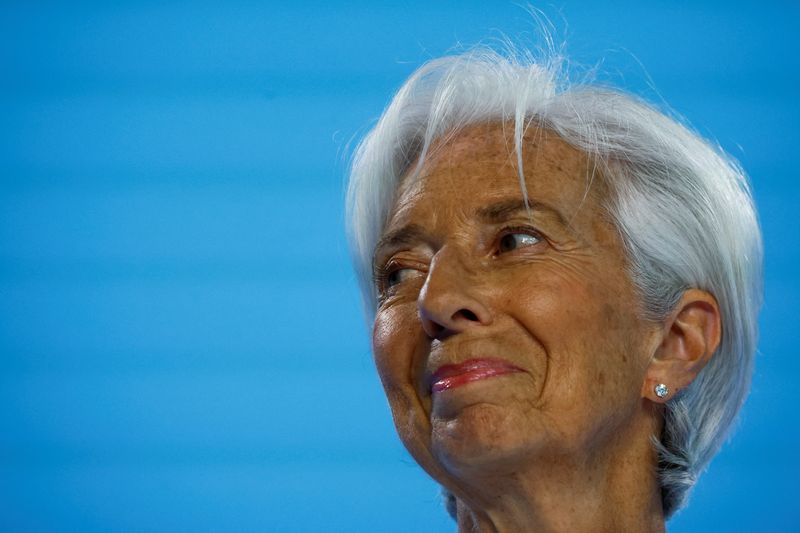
[481, 438]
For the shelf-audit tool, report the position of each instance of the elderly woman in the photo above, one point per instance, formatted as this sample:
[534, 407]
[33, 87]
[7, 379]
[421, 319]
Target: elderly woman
[564, 284]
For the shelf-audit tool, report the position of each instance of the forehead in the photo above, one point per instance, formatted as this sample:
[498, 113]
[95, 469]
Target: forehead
[478, 165]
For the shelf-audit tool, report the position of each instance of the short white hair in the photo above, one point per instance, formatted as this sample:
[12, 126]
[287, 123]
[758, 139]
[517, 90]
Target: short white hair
[682, 207]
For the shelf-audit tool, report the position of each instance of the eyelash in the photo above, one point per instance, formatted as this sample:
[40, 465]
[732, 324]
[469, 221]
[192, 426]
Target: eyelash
[381, 274]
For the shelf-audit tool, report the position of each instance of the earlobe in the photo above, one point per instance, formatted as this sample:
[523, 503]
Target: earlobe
[691, 335]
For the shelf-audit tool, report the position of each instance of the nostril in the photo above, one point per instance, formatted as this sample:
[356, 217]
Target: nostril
[469, 315]
[442, 328]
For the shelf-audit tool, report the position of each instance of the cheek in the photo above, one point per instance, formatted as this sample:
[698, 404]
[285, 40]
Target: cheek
[396, 341]
[393, 340]
[552, 307]
[589, 333]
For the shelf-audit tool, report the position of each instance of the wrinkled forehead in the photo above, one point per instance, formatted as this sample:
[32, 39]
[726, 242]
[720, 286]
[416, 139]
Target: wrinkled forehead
[482, 159]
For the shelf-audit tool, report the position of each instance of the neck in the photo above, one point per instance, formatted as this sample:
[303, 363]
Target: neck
[615, 490]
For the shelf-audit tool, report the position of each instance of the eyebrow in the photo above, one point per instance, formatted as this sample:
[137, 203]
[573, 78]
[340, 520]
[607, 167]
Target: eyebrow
[406, 235]
[504, 209]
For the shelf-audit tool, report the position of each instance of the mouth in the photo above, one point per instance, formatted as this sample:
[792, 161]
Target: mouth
[451, 376]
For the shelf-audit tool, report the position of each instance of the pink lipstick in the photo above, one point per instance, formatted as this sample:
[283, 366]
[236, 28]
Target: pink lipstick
[450, 376]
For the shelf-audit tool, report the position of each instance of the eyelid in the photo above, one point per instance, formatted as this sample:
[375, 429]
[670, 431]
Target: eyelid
[528, 230]
[520, 229]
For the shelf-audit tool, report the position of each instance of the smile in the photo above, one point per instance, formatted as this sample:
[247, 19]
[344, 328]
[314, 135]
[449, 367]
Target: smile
[450, 376]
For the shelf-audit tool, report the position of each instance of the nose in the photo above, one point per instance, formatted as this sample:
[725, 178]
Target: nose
[449, 302]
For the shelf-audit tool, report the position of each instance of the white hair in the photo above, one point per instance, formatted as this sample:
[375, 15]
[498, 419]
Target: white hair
[682, 207]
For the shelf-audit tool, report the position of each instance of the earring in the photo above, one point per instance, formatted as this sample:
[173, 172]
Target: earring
[661, 390]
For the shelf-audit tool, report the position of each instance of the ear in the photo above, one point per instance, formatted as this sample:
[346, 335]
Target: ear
[690, 337]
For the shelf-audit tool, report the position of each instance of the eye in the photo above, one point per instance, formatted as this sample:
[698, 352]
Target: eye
[388, 277]
[513, 241]
[399, 275]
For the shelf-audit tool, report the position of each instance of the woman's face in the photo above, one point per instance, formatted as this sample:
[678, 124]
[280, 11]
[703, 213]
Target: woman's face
[504, 336]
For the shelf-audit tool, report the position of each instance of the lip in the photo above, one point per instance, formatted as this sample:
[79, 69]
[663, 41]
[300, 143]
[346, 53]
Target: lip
[451, 376]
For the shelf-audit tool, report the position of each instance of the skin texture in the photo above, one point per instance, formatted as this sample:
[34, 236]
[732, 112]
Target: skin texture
[564, 443]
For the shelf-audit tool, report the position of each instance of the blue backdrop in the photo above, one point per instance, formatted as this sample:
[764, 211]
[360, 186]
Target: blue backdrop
[181, 346]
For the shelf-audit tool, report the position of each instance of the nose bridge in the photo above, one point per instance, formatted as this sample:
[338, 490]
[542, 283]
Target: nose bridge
[450, 298]
[448, 271]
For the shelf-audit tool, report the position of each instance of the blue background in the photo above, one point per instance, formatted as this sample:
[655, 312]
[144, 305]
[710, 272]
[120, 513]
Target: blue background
[181, 345]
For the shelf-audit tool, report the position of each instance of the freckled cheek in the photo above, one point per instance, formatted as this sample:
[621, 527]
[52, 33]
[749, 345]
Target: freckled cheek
[602, 354]
[549, 311]
[567, 320]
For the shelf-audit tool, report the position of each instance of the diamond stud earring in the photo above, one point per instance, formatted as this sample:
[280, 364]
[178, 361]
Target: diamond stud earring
[661, 390]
